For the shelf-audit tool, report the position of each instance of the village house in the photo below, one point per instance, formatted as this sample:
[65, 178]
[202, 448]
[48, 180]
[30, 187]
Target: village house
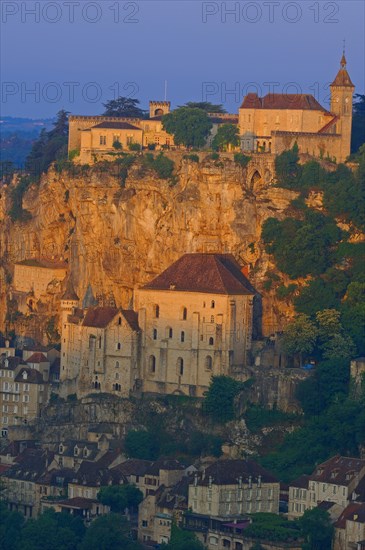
[233, 487]
[21, 481]
[350, 528]
[24, 391]
[333, 481]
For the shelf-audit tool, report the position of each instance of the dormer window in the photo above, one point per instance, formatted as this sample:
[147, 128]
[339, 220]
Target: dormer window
[60, 448]
[86, 452]
[25, 375]
[76, 451]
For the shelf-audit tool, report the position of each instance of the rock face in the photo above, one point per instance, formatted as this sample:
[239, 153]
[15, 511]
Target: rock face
[117, 235]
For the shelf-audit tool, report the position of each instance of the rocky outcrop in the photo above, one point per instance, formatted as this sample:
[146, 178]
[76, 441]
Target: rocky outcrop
[116, 235]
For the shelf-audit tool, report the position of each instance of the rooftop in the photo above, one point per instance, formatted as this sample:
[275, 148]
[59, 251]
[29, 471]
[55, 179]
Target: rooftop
[116, 126]
[229, 472]
[306, 102]
[207, 273]
[338, 470]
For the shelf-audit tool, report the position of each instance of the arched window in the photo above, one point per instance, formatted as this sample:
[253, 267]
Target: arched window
[117, 375]
[182, 336]
[117, 365]
[154, 334]
[99, 342]
[180, 366]
[91, 342]
[156, 310]
[118, 346]
[211, 341]
[208, 362]
[119, 321]
[184, 313]
[152, 364]
[212, 305]
[169, 332]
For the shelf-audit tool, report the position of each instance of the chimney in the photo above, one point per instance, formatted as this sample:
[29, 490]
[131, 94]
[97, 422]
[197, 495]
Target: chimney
[7, 343]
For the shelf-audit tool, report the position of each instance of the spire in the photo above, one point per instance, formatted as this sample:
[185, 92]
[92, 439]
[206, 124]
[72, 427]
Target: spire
[343, 78]
[89, 299]
[70, 293]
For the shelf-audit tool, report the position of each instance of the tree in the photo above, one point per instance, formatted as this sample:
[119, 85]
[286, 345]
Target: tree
[182, 540]
[206, 106]
[120, 497]
[110, 532]
[51, 531]
[317, 529]
[219, 401]
[332, 340]
[300, 337]
[11, 524]
[189, 126]
[124, 107]
[141, 444]
[227, 136]
[358, 123]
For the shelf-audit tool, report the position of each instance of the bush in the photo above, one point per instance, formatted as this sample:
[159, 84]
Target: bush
[241, 159]
[219, 401]
[134, 147]
[117, 145]
[213, 156]
[192, 157]
[283, 291]
[161, 164]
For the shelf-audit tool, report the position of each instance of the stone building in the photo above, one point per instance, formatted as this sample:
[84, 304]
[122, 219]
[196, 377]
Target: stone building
[232, 488]
[196, 322]
[94, 138]
[332, 481]
[36, 278]
[23, 392]
[350, 528]
[190, 323]
[99, 348]
[276, 122]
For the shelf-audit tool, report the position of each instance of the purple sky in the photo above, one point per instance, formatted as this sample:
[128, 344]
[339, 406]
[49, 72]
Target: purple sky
[202, 50]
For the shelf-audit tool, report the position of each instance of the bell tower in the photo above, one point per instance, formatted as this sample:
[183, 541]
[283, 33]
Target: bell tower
[342, 91]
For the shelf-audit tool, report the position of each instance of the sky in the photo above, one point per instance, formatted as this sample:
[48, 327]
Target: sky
[78, 54]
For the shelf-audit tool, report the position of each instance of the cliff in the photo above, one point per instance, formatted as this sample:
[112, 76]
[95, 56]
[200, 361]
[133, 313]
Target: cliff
[116, 233]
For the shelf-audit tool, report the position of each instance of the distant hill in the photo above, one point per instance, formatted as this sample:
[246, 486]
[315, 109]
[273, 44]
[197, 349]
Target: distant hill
[17, 135]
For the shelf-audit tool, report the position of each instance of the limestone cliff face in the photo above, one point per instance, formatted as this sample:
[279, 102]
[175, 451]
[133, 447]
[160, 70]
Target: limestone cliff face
[117, 236]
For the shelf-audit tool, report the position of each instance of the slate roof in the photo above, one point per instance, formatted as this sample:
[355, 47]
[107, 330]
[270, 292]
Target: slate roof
[77, 502]
[116, 126]
[228, 472]
[207, 273]
[91, 474]
[306, 102]
[31, 465]
[164, 464]
[70, 293]
[343, 77]
[12, 362]
[301, 482]
[131, 317]
[338, 470]
[133, 466]
[34, 376]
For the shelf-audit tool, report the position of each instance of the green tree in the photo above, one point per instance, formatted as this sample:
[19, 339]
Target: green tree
[110, 532]
[51, 531]
[300, 337]
[141, 444]
[182, 540]
[189, 126]
[317, 529]
[287, 168]
[120, 497]
[358, 123]
[219, 400]
[206, 106]
[11, 524]
[226, 136]
[124, 107]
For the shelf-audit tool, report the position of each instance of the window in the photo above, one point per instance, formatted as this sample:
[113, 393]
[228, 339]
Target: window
[99, 342]
[212, 305]
[117, 365]
[119, 321]
[117, 375]
[102, 140]
[182, 336]
[184, 313]
[170, 332]
[180, 366]
[152, 364]
[154, 334]
[208, 362]
[211, 341]
[212, 319]
[118, 346]
[156, 310]
[25, 398]
[91, 342]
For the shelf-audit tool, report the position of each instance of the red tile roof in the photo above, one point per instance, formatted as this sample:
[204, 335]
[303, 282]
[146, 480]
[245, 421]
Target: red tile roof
[305, 102]
[343, 79]
[338, 470]
[208, 273]
[37, 357]
[99, 317]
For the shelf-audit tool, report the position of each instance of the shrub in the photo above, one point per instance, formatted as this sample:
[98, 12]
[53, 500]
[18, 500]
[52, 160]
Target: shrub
[134, 147]
[192, 157]
[117, 145]
[241, 159]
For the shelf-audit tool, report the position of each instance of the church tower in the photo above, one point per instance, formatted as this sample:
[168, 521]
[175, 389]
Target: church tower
[342, 90]
[69, 302]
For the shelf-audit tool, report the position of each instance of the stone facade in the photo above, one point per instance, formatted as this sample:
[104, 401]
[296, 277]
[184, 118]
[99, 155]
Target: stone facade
[190, 323]
[276, 122]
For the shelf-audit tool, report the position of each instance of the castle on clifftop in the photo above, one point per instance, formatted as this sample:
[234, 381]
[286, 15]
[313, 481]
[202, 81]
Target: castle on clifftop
[269, 124]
